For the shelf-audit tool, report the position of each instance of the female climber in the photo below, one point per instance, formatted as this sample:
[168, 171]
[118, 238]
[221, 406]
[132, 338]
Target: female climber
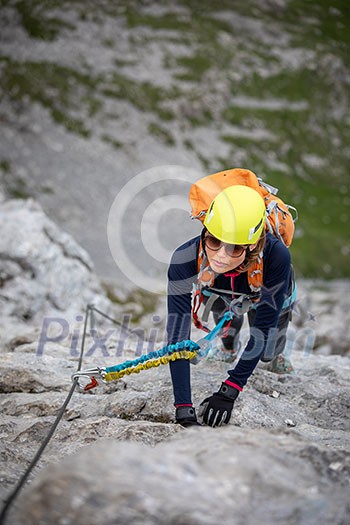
[215, 269]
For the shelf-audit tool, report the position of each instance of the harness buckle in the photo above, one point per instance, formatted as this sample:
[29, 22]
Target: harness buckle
[90, 374]
[240, 305]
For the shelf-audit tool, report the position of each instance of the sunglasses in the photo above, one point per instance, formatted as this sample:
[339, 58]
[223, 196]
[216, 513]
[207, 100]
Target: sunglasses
[232, 250]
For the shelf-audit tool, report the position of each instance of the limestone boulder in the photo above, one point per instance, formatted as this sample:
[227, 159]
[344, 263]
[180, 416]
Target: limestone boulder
[43, 271]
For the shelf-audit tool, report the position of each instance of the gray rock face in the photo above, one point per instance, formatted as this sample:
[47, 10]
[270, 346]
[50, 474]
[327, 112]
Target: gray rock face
[325, 308]
[201, 477]
[43, 270]
[117, 456]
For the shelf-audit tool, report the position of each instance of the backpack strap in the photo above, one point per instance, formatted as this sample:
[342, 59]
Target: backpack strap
[255, 274]
[205, 279]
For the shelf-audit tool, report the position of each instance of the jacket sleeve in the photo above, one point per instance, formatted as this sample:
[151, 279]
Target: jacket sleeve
[182, 274]
[263, 332]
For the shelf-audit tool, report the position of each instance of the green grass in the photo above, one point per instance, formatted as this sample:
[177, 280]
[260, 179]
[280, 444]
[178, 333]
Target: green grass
[54, 87]
[5, 166]
[319, 251]
[324, 22]
[161, 133]
[37, 23]
[169, 21]
[196, 66]
[14, 185]
[113, 142]
[143, 95]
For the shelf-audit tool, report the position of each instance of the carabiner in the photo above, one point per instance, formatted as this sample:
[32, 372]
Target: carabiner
[90, 373]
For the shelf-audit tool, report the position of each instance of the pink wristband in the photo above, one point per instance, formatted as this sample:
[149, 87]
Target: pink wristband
[228, 382]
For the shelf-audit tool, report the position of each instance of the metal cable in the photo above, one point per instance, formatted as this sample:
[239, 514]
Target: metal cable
[46, 441]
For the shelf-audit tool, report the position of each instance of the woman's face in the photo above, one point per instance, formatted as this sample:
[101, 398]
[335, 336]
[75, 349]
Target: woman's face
[220, 262]
[224, 257]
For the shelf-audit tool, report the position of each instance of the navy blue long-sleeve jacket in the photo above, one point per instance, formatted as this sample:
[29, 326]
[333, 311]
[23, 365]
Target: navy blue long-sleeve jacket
[182, 273]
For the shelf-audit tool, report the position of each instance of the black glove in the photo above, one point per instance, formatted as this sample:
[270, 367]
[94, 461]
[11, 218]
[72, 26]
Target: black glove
[186, 416]
[216, 409]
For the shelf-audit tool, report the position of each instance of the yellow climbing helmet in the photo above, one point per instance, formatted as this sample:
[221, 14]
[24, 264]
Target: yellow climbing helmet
[236, 215]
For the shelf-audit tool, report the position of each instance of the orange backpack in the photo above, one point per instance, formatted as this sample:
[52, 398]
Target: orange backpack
[280, 221]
